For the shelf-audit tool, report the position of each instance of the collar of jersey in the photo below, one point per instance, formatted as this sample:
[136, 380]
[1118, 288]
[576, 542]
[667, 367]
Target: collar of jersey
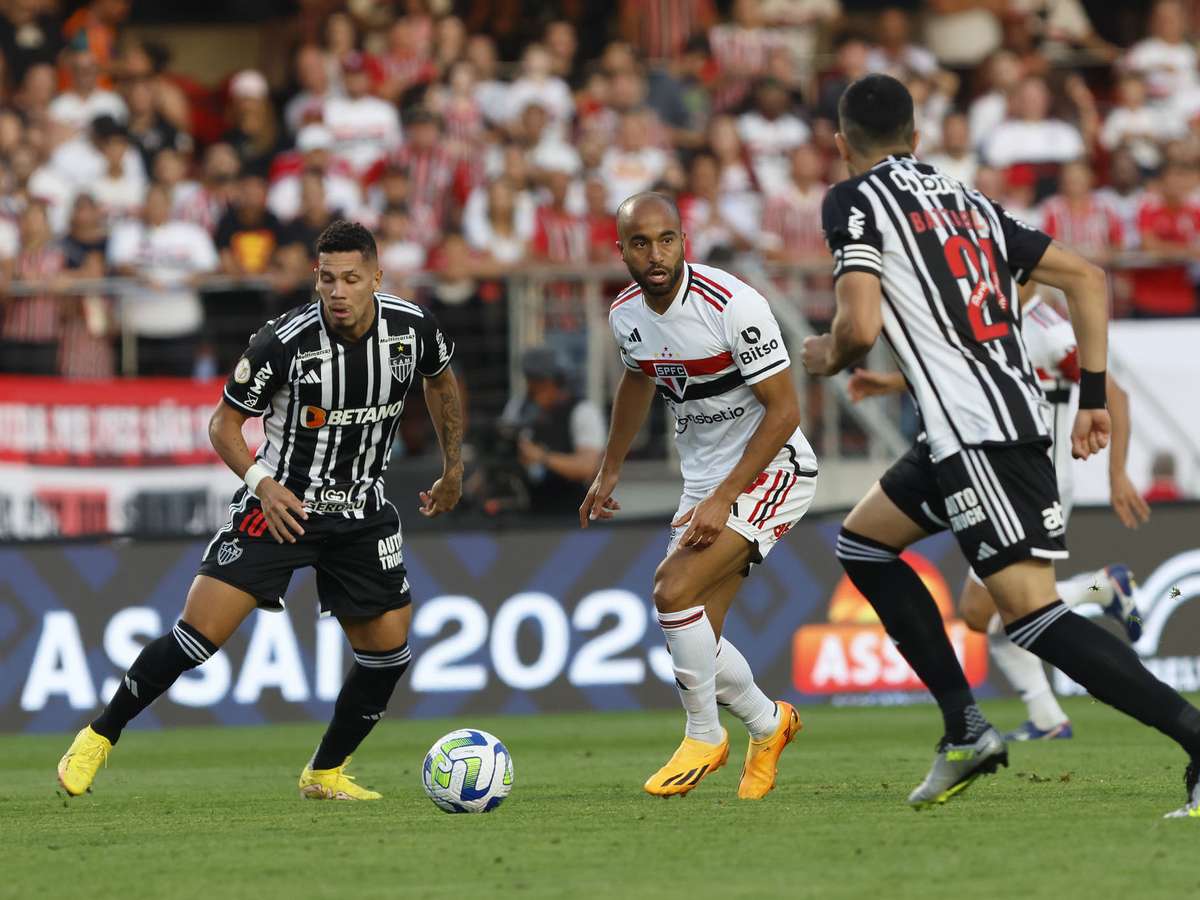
[895, 157]
[680, 295]
[337, 338]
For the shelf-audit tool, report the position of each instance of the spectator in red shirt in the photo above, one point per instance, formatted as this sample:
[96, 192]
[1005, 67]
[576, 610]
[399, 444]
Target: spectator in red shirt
[602, 226]
[1079, 218]
[1169, 224]
[1163, 486]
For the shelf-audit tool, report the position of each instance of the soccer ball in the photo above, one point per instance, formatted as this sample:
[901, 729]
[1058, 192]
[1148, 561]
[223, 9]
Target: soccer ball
[467, 771]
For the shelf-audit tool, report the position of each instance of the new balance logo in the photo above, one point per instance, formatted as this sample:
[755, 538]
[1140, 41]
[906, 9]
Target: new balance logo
[986, 551]
[635, 338]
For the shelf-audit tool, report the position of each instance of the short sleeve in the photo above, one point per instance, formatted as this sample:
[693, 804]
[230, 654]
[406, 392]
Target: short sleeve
[258, 374]
[755, 341]
[622, 340]
[1026, 245]
[850, 231]
[436, 347]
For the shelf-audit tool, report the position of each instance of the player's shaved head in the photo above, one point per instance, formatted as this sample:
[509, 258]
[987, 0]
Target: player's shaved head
[651, 239]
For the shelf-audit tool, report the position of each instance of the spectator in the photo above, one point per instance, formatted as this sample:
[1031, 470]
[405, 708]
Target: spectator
[791, 230]
[36, 93]
[84, 100]
[1164, 488]
[504, 231]
[96, 25]
[989, 109]
[560, 237]
[457, 103]
[737, 176]
[602, 226]
[408, 63]
[770, 132]
[32, 322]
[714, 221]
[296, 256]
[1169, 225]
[449, 43]
[894, 52]
[82, 160]
[1080, 219]
[562, 43]
[742, 51]
[801, 24]
[120, 190]
[147, 127]
[401, 255]
[29, 36]
[955, 157]
[365, 128]
[632, 165]
[438, 179]
[89, 325]
[850, 65]
[341, 192]
[1124, 194]
[1136, 126]
[962, 34]
[148, 62]
[254, 132]
[1166, 58]
[537, 84]
[167, 258]
[1029, 135]
[679, 95]
[660, 30]
[313, 88]
[206, 206]
[931, 105]
[395, 189]
[491, 93]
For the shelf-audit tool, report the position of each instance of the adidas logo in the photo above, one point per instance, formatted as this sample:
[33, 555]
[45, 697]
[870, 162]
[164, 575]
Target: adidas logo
[312, 376]
[986, 551]
[635, 337]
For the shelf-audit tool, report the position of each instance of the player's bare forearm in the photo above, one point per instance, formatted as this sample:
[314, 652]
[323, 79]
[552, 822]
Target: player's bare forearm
[445, 410]
[856, 326]
[778, 397]
[632, 402]
[225, 433]
[1086, 288]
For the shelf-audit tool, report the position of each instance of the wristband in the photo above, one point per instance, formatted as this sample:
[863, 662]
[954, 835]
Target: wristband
[253, 476]
[1091, 389]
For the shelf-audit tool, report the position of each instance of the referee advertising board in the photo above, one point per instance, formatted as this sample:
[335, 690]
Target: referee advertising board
[527, 621]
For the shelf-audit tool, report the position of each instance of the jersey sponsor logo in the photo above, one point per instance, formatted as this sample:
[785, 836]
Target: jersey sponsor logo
[1053, 520]
[672, 376]
[758, 351]
[241, 372]
[728, 414]
[856, 223]
[335, 500]
[389, 549]
[317, 417]
[323, 353]
[261, 377]
[403, 358]
[228, 552]
[922, 183]
[751, 335]
[964, 509]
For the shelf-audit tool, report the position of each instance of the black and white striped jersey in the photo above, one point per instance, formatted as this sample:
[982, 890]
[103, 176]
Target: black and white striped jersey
[949, 260]
[331, 408]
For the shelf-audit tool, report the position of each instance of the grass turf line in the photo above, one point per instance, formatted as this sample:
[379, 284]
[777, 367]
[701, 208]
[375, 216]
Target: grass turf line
[215, 812]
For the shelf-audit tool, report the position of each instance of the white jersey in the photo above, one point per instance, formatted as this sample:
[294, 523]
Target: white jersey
[716, 339]
[1050, 342]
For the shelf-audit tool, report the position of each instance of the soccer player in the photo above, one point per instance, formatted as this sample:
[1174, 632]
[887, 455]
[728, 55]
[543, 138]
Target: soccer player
[331, 377]
[709, 345]
[1050, 343]
[935, 265]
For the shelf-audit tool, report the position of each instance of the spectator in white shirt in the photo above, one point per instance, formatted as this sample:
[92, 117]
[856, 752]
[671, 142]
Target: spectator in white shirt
[120, 191]
[770, 132]
[81, 161]
[490, 92]
[895, 54]
[1166, 59]
[342, 194]
[504, 230]
[1137, 126]
[1029, 135]
[537, 85]
[714, 220]
[632, 165]
[990, 108]
[312, 79]
[84, 100]
[1124, 194]
[365, 128]
[166, 257]
[956, 158]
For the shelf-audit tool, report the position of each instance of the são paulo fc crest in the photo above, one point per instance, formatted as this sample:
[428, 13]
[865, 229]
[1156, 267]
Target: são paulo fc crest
[672, 376]
[403, 358]
[227, 552]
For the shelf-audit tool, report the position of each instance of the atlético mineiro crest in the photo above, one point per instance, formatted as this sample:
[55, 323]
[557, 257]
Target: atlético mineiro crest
[673, 376]
[227, 552]
[403, 358]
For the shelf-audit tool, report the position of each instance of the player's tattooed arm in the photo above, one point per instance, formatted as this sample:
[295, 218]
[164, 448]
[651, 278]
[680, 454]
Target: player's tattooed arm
[445, 409]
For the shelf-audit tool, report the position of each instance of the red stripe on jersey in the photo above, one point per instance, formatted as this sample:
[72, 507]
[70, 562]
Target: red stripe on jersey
[763, 499]
[707, 299]
[625, 300]
[712, 283]
[627, 289]
[709, 366]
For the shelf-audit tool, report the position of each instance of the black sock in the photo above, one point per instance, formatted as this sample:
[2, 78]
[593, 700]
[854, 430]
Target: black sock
[157, 667]
[912, 620]
[1109, 669]
[361, 703]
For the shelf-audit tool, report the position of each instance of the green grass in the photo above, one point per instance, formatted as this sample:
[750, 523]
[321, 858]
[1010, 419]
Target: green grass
[214, 813]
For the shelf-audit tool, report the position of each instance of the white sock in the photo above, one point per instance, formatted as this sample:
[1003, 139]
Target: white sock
[693, 648]
[1026, 673]
[737, 692]
[1090, 587]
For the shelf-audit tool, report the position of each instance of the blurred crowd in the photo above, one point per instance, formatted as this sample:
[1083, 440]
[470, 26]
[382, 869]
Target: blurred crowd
[479, 138]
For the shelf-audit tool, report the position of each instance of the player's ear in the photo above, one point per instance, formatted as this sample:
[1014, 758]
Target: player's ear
[378, 279]
[843, 148]
[916, 140]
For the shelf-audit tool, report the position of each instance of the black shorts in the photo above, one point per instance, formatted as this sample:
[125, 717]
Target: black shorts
[360, 567]
[1001, 502]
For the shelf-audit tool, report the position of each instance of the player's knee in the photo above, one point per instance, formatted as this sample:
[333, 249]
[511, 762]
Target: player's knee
[976, 607]
[670, 591]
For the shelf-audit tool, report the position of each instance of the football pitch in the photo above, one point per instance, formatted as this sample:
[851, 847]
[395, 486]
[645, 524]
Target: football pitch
[215, 813]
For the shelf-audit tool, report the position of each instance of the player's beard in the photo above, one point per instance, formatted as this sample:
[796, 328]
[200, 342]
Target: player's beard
[668, 287]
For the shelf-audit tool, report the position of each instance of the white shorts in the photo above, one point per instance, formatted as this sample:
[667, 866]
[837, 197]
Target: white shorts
[764, 512]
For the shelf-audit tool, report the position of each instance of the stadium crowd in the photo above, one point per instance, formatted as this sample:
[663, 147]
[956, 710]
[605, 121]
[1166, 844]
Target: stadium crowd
[477, 140]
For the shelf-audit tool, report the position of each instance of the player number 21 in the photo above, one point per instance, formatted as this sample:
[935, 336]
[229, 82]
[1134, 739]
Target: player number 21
[963, 260]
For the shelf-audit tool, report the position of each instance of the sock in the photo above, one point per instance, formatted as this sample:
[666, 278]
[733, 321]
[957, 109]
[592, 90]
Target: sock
[912, 620]
[361, 703]
[737, 692]
[693, 648]
[1079, 590]
[157, 667]
[1109, 669]
[1027, 674]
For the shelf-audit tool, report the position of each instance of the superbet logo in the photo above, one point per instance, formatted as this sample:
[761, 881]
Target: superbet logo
[853, 654]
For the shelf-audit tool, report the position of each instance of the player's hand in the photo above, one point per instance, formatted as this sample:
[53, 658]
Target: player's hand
[865, 383]
[599, 502]
[281, 508]
[1127, 503]
[815, 353]
[1090, 433]
[705, 521]
[443, 496]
